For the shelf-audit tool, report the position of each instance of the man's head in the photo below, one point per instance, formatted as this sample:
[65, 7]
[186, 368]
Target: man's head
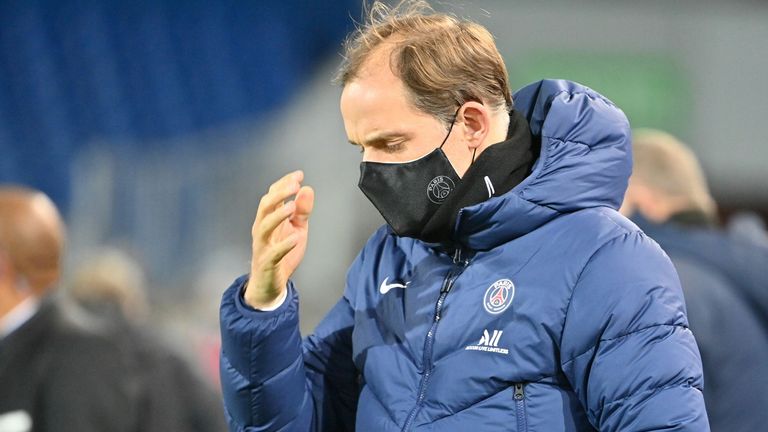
[31, 243]
[409, 73]
[110, 283]
[666, 178]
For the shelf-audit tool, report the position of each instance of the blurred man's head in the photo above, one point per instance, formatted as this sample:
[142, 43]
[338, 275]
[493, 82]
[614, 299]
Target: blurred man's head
[111, 283]
[31, 244]
[409, 73]
[666, 179]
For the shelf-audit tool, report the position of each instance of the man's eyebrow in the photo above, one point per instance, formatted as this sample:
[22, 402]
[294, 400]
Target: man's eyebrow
[379, 136]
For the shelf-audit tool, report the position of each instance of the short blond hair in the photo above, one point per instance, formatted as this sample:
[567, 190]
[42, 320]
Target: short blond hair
[665, 164]
[442, 60]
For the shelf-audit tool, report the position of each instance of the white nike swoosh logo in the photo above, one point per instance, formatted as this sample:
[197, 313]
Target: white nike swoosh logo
[384, 288]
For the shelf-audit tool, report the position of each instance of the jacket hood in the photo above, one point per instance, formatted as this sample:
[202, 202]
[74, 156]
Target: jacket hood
[585, 161]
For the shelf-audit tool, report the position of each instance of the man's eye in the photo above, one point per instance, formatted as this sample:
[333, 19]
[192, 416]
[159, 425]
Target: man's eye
[394, 147]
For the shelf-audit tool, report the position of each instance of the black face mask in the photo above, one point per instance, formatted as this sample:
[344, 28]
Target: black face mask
[407, 194]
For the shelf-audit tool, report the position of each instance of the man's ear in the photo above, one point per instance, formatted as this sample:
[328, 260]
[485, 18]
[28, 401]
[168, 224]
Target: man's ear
[475, 119]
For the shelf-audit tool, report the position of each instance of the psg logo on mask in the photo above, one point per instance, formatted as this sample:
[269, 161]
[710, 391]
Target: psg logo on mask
[499, 296]
[439, 188]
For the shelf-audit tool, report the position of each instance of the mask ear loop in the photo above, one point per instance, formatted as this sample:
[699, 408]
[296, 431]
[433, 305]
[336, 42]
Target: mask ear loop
[455, 115]
[450, 128]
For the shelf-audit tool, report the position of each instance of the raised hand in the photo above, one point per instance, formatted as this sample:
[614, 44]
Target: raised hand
[279, 239]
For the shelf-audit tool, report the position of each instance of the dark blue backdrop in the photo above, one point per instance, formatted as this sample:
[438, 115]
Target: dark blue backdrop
[77, 72]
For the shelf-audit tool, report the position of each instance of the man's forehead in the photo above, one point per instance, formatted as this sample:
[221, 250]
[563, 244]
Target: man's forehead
[375, 87]
[377, 126]
[370, 106]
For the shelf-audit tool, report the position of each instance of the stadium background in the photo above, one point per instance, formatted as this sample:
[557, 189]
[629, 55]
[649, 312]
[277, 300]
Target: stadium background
[156, 126]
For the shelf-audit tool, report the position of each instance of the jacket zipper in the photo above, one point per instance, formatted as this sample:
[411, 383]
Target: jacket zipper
[522, 421]
[448, 281]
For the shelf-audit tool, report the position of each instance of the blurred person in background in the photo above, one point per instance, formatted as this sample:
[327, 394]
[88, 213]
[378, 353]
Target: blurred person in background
[173, 395]
[724, 277]
[505, 293]
[58, 372]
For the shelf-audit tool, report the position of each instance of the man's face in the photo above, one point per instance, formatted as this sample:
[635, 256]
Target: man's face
[379, 118]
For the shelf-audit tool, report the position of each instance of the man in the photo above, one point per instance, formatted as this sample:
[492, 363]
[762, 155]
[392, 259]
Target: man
[173, 395]
[56, 372]
[505, 292]
[723, 276]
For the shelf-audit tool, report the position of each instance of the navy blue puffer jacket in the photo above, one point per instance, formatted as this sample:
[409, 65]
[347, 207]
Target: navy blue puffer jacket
[556, 314]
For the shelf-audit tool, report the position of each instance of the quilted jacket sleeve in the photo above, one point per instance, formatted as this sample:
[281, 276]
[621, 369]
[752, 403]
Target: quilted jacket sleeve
[272, 381]
[626, 348]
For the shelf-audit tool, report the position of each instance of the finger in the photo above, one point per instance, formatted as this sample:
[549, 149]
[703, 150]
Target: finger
[282, 248]
[271, 221]
[278, 192]
[271, 203]
[294, 176]
[305, 202]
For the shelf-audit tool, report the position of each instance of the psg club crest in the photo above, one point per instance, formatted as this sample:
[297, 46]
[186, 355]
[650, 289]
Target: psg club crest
[439, 188]
[499, 296]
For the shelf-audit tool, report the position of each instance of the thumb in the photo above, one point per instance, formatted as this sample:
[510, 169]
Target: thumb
[305, 202]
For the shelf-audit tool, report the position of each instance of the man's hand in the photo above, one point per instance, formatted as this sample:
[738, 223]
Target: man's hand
[279, 240]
